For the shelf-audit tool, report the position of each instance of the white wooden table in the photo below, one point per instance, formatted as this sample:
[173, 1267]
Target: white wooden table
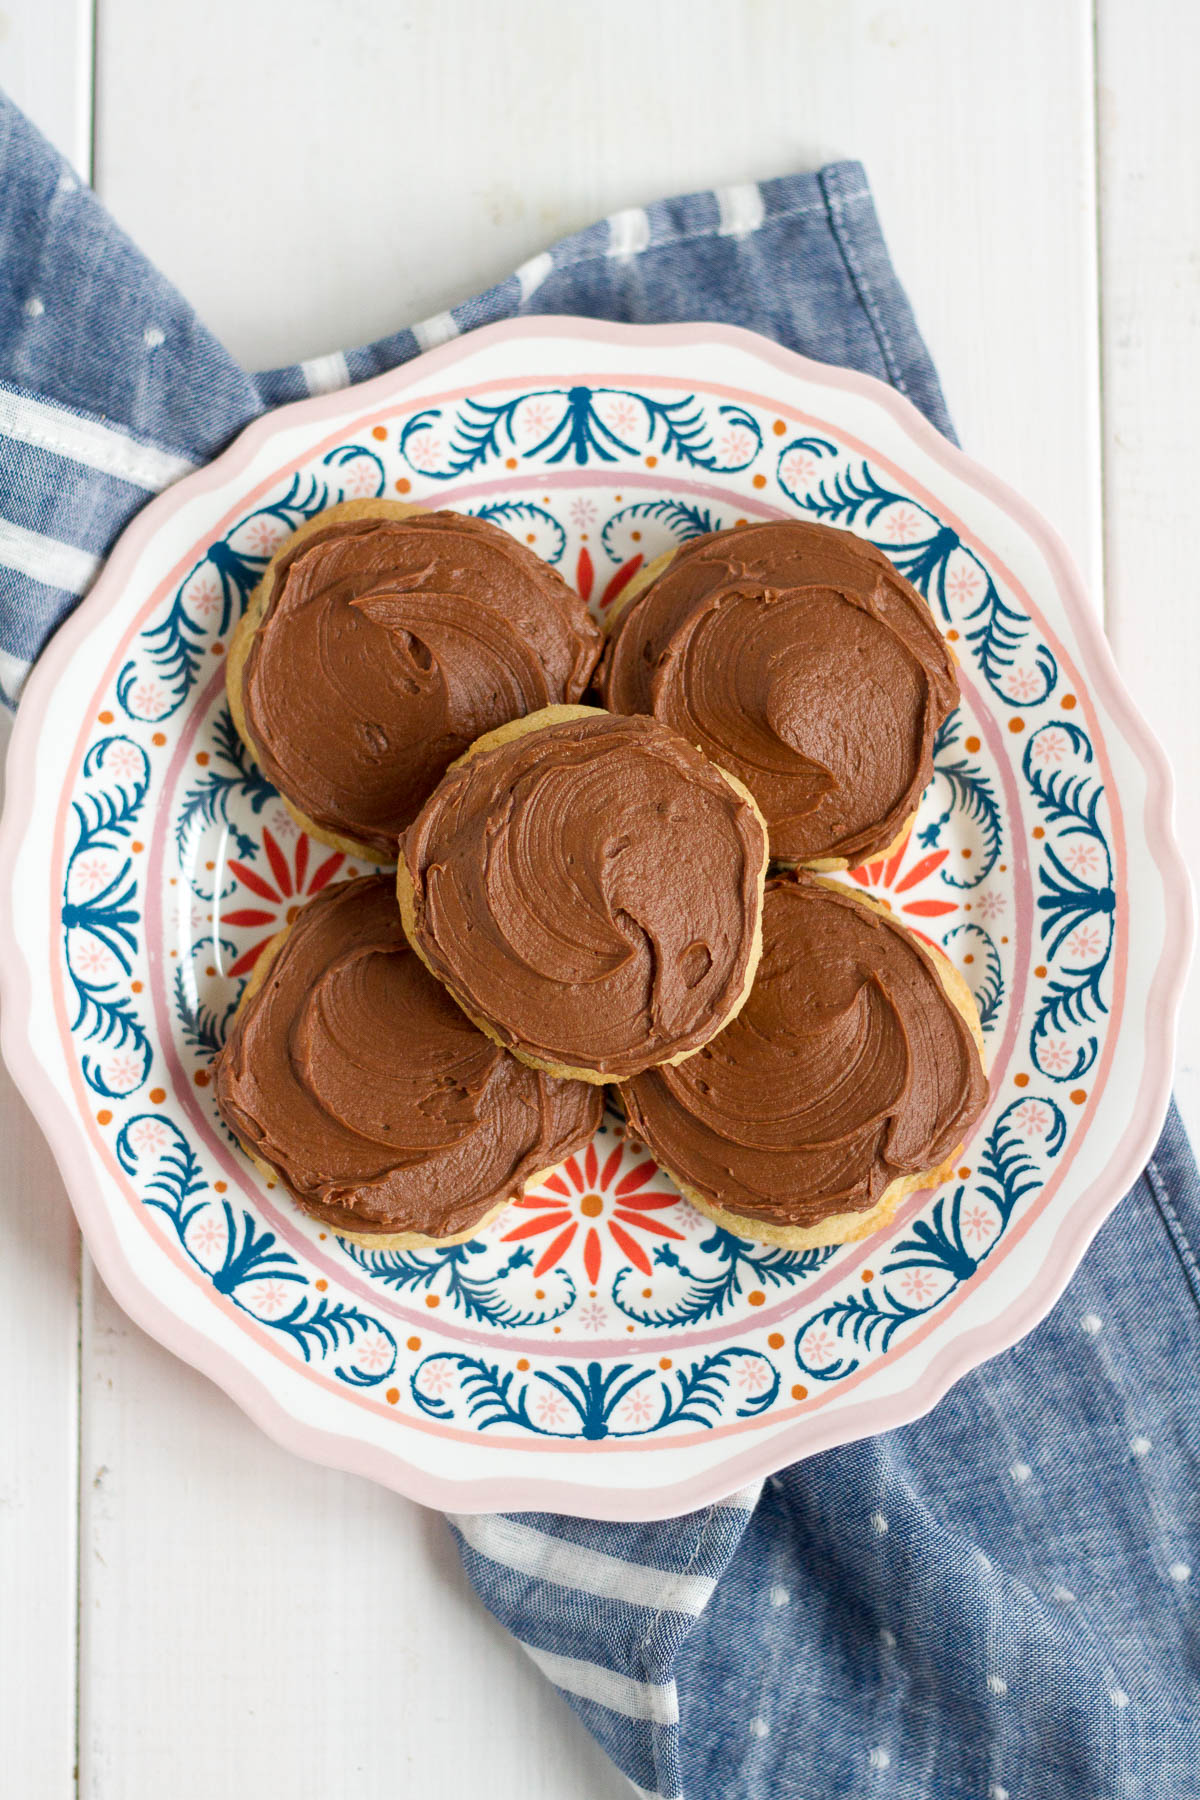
[185, 1610]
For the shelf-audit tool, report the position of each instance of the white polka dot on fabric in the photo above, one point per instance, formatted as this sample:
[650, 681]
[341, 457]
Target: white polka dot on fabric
[879, 1524]
[996, 1792]
[152, 337]
[1180, 1571]
[887, 1638]
[879, 1758]
[1119, 1697]
[1020, 1472]
[34, 307]
[1091, 1323]
[759, 1728]
[997, 1684]
[1141, 1446]
[1063, 1595]
[779, 1596]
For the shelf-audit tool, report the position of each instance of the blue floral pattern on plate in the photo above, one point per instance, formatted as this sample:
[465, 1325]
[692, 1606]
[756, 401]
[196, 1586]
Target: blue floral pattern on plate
[602, 1306]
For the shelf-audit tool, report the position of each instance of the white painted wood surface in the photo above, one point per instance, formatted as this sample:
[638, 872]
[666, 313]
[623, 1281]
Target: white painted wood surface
[1148, 132]
[248, 1623]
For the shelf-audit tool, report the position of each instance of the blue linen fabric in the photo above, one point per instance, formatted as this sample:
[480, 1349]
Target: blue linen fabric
[997, 1602]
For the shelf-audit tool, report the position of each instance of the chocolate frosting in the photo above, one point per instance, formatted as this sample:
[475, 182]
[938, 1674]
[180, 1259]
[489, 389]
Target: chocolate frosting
[848, 1068]
[382, 1108]
[592, 890]
[387, 647]
[799, 659]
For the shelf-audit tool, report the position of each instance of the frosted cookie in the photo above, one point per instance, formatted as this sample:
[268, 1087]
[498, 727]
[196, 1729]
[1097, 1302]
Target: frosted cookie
[350, 1075]
[799, 659]
[589, 888]
[381, 641]
[849, 1079]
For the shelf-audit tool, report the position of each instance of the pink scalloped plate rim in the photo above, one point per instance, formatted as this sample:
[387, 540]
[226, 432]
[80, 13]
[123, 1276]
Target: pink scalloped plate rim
[800, 1435]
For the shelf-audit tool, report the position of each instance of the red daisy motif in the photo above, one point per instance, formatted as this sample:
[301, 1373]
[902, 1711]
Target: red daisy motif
[889, 873]
[291, 887]
[582, 1195]
[620, 581]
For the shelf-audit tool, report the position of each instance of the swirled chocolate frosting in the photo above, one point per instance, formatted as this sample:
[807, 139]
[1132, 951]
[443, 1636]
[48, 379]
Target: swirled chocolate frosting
[387, 647]
[848, 1068]
[592, 890]
[799, 659]
[357, 1078]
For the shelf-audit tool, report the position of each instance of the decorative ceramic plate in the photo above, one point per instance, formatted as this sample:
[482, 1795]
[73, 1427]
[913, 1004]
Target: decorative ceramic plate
[601, 1348]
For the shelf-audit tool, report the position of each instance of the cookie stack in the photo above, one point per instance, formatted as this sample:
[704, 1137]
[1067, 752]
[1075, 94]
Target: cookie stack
[583, 893]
